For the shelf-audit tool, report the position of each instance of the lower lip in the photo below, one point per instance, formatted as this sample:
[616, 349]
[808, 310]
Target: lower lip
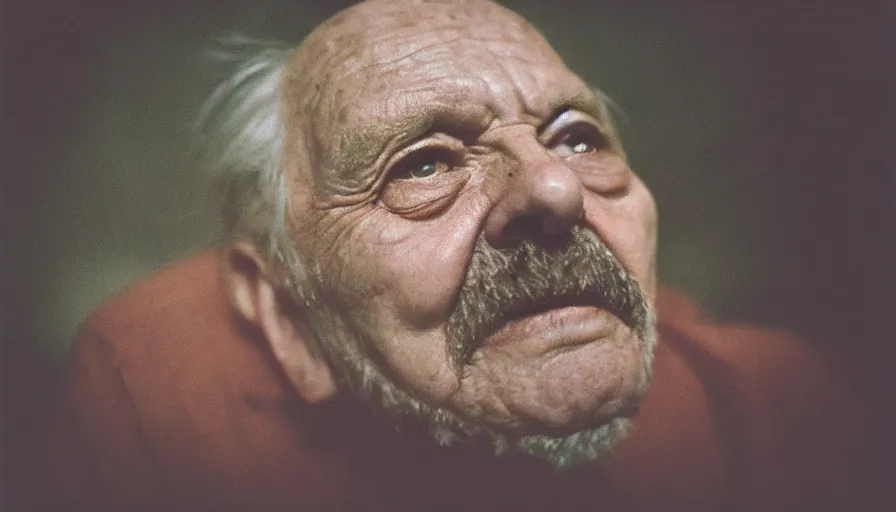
[562, 328]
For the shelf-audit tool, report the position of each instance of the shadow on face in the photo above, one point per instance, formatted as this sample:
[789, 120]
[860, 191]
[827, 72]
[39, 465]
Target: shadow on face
[421, 138]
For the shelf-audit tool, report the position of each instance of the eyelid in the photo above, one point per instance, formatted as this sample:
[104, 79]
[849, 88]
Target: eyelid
[434, 143]
[565, 120]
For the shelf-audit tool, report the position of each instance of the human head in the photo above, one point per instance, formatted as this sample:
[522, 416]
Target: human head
[441, 219]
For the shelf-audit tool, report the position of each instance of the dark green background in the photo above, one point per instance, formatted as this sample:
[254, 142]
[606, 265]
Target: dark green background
[764, 129]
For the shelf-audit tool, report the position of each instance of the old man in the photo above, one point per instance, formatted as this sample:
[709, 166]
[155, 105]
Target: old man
[439, 294]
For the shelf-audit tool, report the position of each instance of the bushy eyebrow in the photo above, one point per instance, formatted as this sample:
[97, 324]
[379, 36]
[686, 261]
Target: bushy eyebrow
[403, 119]
[587, 100]
[397, 121]
[364, 144]
[356, 153]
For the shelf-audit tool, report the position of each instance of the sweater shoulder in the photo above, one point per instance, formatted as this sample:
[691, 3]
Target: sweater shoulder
[181, 293]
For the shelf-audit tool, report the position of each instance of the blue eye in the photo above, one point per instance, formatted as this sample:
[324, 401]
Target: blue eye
[424, 164]
[424, 170]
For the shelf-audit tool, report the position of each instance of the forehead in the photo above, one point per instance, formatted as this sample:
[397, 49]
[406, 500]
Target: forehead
[456, 67]
[365, 79]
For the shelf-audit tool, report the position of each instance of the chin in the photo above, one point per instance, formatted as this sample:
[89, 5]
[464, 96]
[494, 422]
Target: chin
[578, 409]
[560, 428]
[552, 385]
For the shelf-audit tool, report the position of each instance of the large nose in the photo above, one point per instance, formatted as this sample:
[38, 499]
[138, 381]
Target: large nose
[542, 198]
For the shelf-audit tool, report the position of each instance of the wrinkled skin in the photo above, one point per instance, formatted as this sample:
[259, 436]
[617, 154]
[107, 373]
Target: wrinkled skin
[412, 131]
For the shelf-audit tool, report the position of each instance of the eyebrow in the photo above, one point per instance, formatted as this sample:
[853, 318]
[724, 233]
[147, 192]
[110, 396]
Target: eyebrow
[377, 136]
[396, 123]
[588, 100]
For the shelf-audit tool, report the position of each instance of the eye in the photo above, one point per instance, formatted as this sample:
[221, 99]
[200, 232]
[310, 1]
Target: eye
[423, 164]
[583, 147]
[424, 183]
[578, 139]
[424, 170]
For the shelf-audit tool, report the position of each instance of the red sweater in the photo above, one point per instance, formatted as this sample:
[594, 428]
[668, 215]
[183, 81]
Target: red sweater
[170, 402]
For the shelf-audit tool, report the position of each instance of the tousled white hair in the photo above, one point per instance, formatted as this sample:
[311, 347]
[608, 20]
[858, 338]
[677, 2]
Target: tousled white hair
[240, 137]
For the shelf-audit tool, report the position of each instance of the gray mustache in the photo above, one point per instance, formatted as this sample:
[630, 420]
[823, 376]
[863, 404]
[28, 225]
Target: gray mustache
[502, 284]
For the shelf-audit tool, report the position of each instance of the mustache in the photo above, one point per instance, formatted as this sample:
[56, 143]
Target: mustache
[502, 284]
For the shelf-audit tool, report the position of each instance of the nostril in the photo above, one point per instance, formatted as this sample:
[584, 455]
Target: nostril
[544, 202]
[533, 228]
[522, 228]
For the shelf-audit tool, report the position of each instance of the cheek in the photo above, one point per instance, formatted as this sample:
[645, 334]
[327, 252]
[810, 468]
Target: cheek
[390, 277]
[397, 284]
[420, 265]
[629, 227]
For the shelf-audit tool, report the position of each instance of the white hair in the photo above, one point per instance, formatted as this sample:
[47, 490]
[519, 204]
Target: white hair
[240, 137]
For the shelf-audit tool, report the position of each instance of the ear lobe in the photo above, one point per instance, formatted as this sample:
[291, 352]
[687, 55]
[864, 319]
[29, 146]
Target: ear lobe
[253, 293]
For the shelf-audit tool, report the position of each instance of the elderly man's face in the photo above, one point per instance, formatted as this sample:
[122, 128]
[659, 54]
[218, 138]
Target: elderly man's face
[455, 197]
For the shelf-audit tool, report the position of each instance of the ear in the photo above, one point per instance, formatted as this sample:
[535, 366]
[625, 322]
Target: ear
[252, 290]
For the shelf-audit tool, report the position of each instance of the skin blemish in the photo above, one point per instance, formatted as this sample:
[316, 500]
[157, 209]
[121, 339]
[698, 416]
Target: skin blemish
[470, 98]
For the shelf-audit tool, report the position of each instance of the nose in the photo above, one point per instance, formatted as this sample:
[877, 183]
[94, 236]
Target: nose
[542, 198]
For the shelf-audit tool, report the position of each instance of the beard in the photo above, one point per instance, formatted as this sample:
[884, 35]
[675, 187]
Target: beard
[500, 284]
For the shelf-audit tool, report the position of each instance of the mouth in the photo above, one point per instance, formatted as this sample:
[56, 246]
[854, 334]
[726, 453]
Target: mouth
[554, 326]
[530, 284]
[585, 299]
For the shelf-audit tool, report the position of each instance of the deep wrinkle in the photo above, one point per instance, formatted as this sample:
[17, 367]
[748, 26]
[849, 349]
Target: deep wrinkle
[409, 116]
[394, 279]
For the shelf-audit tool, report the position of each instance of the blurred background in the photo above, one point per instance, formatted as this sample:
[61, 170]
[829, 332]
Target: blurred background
[764, 129]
